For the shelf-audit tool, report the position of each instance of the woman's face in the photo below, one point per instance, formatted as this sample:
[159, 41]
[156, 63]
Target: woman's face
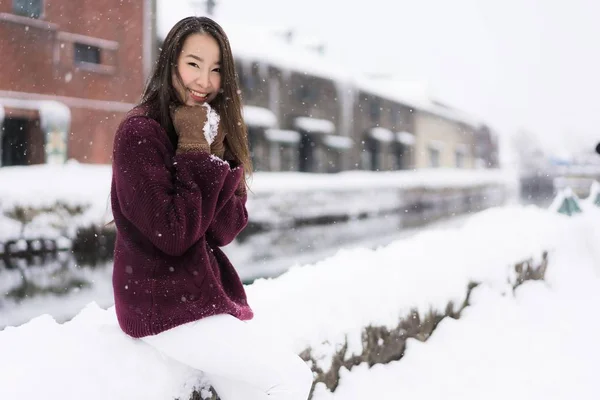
[199, 65]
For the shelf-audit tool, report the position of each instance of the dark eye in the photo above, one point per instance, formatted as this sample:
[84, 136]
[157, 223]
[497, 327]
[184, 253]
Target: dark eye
[193, 64]
[217, 70]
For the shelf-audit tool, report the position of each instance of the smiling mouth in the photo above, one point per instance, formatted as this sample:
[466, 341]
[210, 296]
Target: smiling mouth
[198, 94]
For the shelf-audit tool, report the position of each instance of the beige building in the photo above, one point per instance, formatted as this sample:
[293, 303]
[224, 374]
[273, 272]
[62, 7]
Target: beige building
[441, 142]
[382, 129]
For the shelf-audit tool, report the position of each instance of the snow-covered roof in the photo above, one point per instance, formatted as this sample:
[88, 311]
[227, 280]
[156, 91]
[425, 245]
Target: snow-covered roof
[436, 145]
[54, 115]
[406, 138]
[282, 135]
[314, 125]
[338, 142]
[381, 134]
[413, 94]
[259, 117]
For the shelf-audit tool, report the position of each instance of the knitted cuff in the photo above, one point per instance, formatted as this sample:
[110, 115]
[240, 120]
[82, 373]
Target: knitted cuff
[192, 147]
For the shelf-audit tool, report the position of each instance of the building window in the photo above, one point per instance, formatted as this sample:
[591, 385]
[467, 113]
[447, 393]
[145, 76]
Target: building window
[460, 159]
[248, 84]
[434, 157]
[375, 110]
[371, 154]
[275, 157]
[87, 54]
[306, 93]
[28, 8]
[396, 117]
[399, 156]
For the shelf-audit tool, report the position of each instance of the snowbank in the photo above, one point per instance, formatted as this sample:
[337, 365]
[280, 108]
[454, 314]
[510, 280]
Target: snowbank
[538, 342]
[53, 200]
[321, 307]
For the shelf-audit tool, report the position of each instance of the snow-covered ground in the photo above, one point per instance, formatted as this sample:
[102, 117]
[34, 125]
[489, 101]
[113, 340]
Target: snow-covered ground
[539, 342]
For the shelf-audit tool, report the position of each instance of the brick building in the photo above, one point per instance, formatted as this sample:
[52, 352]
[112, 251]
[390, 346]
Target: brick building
[70, 70]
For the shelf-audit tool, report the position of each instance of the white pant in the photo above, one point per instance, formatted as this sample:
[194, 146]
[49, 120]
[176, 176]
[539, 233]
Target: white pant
[239, 363]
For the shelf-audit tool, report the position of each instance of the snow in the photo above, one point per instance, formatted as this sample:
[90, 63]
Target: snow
[351, 180]
[282, 135]
[405, 93]
[338, 142]
[538, 342]
[381, 134]
[54, 116]
[259, 117]
[55, 188]
[408, 275]
[506, 345]
[211, 126]
[405, 138]
[594, 192]
[314, 125]
[436, 145]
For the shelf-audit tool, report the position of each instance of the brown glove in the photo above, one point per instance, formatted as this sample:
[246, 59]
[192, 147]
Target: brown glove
[218, 145]
[188, 122]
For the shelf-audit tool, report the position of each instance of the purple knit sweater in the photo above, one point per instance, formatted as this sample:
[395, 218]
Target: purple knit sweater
[172, 213]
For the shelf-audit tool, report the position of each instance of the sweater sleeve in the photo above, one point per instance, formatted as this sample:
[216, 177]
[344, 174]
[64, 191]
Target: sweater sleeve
[173, 208]
[231, 219]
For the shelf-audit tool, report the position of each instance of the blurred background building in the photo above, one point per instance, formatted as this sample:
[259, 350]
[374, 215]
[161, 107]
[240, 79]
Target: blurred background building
[71, 70]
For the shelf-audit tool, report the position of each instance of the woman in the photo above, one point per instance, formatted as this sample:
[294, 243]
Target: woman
[179, 194]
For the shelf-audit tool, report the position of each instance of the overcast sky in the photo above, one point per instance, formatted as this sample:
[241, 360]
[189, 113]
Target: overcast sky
[531, 64]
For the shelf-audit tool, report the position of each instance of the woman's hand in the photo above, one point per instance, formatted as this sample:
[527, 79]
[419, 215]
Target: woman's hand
[196, 126]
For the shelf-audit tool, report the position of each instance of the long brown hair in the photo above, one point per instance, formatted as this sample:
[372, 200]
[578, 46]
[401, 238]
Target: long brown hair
[160, 93]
